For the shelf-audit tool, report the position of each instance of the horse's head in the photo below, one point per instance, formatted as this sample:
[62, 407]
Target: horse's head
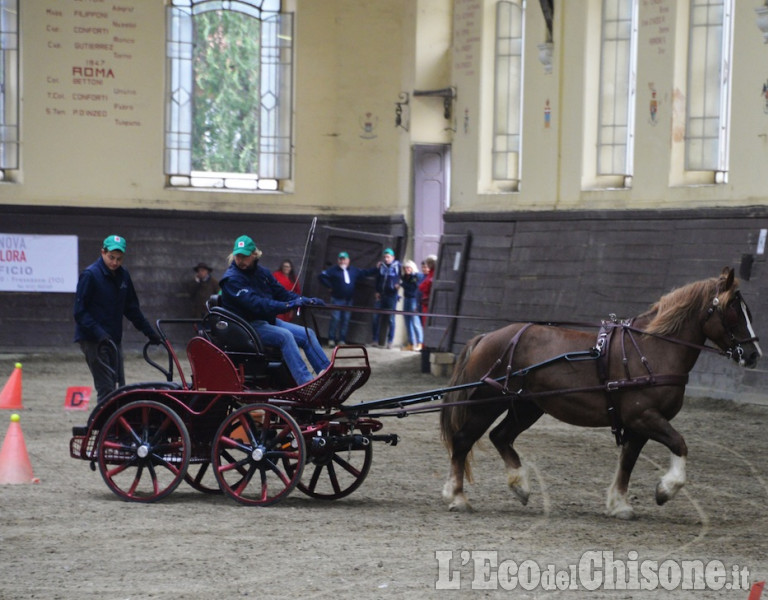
[731, 328]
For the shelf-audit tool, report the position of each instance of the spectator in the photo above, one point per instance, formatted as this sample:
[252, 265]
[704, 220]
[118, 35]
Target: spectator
[104, 295]
[342, 279]
[252, 292]
[412, 304]
[201, 288]
[286, 276]
[425, 287]
[387, 286]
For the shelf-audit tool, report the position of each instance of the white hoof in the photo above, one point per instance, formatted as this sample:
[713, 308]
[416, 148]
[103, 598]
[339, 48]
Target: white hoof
[672, 481]
[625, 513]
[460, 504]
[617, 505]
[517, 479]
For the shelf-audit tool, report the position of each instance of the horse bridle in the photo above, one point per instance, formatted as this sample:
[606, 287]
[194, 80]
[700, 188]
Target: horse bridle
[734, 350]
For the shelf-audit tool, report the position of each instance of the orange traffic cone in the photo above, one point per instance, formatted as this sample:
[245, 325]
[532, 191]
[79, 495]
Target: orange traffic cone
[10, 397]
[14, 460]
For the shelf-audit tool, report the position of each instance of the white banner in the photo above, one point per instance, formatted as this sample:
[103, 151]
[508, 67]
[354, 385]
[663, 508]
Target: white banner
[38, 263]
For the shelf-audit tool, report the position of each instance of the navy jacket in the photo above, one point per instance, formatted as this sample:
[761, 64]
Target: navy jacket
[388, 280]
[333, 278]
[255, 294]
[102, 299]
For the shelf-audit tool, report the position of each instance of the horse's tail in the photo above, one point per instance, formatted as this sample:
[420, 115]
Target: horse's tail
[452, 418]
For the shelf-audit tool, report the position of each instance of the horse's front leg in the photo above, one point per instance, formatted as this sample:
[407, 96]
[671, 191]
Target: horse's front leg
[658, 428]
[616, 502]
[519, 418]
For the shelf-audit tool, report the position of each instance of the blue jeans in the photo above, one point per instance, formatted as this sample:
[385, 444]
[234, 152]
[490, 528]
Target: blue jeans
[413, 322]
[337, 330]
[289, 337]
[380, 322]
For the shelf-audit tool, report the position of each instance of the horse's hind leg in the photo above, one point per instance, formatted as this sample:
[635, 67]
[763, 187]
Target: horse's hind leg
[520, 417]
[616, 502]
[462, 442]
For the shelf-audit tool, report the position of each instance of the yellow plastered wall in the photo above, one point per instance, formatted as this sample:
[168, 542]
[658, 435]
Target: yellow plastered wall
[101, 144]
[558, 163]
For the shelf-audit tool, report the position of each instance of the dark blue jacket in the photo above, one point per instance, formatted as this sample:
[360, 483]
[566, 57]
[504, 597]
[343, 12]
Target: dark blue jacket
[388, 279]
[102, 298]
[411, 285]
[333, 278]
[254, 294]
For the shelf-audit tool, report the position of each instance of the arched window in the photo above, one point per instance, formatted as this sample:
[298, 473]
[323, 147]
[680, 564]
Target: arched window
[229, 94]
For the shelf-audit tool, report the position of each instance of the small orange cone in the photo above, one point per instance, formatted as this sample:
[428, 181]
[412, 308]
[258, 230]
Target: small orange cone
[10, 397]
[14, 460]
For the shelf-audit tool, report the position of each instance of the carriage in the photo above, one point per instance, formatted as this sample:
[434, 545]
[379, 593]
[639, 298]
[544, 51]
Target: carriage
[238, 424]
[241, 426]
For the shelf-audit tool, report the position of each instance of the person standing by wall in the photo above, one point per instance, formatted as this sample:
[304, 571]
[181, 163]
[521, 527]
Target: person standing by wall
[286, 276]
[104, 295]
[201, 288]
[428, 266]
[387, 287]
[412, 304]
[342, 279]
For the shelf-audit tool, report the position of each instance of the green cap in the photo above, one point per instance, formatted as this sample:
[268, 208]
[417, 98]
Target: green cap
[389, 251]
[244, 245]
[343, 255]
[114, 242]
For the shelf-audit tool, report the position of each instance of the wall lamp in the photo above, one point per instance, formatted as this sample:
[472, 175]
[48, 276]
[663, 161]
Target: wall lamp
[447, 94]
[400, 120]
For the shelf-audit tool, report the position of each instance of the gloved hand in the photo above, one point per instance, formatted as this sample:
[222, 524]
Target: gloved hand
[314, 301]
[154, 338]
[300, 301]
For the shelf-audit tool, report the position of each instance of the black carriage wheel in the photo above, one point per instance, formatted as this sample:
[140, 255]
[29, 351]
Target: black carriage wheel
[200, 476]
[258, 454]
[143, 451]
[332, 473]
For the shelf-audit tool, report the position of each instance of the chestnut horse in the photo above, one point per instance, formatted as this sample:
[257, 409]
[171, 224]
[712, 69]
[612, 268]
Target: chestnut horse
[630, 377]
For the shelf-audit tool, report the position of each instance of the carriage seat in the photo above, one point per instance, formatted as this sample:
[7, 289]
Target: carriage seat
[262, 366]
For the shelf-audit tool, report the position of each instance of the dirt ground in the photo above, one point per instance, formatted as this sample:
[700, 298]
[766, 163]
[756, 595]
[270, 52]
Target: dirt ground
[70, 537]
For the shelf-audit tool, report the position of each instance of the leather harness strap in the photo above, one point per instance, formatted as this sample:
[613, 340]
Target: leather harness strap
[504, 389]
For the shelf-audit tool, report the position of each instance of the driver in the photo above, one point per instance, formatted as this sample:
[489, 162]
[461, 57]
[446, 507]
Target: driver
[252, 292]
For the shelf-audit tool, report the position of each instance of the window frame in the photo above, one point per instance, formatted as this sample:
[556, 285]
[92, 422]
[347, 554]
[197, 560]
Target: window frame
[506, 151]
[275, 164]
[9, 88]
[610, 118]
[702, 71]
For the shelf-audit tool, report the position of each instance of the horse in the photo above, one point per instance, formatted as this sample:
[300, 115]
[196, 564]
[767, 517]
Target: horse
[630, 377]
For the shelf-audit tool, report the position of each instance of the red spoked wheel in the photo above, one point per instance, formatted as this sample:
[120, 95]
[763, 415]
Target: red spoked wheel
[336, 465]
[200, 476]
[258, 454]
[143, 451]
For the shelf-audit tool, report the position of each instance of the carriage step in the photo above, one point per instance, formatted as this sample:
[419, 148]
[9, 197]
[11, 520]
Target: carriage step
[79, 430]
[389, 438]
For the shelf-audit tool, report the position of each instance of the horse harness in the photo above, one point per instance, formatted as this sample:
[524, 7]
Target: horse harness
[601, 354]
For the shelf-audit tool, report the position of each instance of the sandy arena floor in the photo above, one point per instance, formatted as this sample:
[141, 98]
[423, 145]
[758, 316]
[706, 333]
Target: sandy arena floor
[70, 537]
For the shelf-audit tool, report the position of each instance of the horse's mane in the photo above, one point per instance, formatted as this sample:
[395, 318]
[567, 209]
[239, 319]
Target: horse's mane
[671, 311]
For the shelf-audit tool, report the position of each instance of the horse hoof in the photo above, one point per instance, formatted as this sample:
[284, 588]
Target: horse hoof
[662, 495]
[625, 514]
[522, 495]
[464, 507]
